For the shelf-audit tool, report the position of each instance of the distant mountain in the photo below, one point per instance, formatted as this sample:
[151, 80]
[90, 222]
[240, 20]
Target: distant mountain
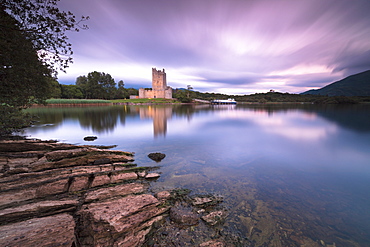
[354, 85]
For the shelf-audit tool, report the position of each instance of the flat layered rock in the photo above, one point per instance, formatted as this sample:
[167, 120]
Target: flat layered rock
[114, 211]
[111, 192]
[120, 222]
[63, 154]
[47, 231]
[37, 209]
[24, 146]
[53, 194]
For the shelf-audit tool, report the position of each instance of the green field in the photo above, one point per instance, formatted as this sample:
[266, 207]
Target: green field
[77, 101]
[145, 101]
[100, 101]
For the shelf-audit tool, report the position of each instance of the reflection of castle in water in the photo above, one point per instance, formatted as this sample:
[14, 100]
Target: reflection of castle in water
[159, 116]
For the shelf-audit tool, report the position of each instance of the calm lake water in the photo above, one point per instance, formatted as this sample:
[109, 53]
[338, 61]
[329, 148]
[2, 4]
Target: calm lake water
[289, 173]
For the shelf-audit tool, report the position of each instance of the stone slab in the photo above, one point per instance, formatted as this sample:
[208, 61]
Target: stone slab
[55, 231]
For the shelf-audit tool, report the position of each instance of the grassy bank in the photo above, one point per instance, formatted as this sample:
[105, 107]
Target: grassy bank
[144, 101]
[116, 101]
[77, 101]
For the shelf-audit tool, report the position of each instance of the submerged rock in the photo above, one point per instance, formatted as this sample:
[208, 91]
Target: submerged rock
[214, 217]
[90, 138]
[183, 216]
[213, 243]
[156, 156]
[152, 175]
[204, 201]
[163, 195]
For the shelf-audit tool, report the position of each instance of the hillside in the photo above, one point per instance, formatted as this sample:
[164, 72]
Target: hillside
[354, 85]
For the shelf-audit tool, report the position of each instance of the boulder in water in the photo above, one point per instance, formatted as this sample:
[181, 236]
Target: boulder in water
[156, 156]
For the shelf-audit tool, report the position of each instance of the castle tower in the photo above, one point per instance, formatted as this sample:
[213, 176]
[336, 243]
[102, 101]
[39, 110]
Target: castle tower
[159, 81]
[159, 86]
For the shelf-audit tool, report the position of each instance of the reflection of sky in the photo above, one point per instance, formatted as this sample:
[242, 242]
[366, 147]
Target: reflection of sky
[293, 138]
[232, 136]
[65, 131]
[313, 162]
[71, 131]
[297, 126]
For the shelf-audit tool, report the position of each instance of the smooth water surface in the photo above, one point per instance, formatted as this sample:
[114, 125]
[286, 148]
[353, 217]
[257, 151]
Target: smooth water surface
[300, 172]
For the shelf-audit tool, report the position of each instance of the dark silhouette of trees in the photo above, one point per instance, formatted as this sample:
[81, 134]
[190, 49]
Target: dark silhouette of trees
[97, 85]
[71, 92]
[33, 46]
[45, 26]
[100, 85]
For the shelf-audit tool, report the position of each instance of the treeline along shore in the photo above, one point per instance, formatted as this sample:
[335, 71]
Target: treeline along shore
[259, 98]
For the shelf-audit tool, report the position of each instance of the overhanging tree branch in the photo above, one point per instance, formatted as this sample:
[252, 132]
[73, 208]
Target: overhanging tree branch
[45, 26]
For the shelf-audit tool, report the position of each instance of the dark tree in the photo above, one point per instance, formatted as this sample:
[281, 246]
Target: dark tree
[132, 91]
[81, 82]
[23, 77]
[97, 85]
[45, 26]
[33, 46]
[71, 92]
[121, 92]
[55, 89]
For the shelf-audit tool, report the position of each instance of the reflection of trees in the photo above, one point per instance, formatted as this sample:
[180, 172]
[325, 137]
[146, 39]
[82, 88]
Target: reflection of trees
[355, 117]
[50, 115]
[105, 118]
[99, 119]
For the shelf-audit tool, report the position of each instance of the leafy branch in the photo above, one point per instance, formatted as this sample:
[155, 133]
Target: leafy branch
[45, 26]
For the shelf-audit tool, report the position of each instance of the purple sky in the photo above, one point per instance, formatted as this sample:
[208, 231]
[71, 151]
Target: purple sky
[226, 46]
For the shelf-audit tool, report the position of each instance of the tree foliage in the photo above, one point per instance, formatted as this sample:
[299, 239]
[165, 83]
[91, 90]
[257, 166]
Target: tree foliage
[184, 95]
[33, 46]
[13, 119]
[71, 92]
[55, 89]
[97, 85]
[100, 85]
[45, 26]
[121, 92]
[277, 97]
[23, 77]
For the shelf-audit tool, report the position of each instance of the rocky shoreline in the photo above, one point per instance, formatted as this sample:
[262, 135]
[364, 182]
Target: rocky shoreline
[57, 194]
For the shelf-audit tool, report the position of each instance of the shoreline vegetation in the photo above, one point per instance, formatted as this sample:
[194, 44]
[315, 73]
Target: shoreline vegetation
[261, 98]
[62, 102]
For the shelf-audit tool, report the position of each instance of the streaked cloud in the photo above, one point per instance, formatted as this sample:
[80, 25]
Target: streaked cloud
[238, 46]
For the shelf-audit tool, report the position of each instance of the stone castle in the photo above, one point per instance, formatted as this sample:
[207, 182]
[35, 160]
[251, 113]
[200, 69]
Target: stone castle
[159, 86]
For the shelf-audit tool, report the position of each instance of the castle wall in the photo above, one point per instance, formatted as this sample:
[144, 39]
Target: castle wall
[167, 94]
